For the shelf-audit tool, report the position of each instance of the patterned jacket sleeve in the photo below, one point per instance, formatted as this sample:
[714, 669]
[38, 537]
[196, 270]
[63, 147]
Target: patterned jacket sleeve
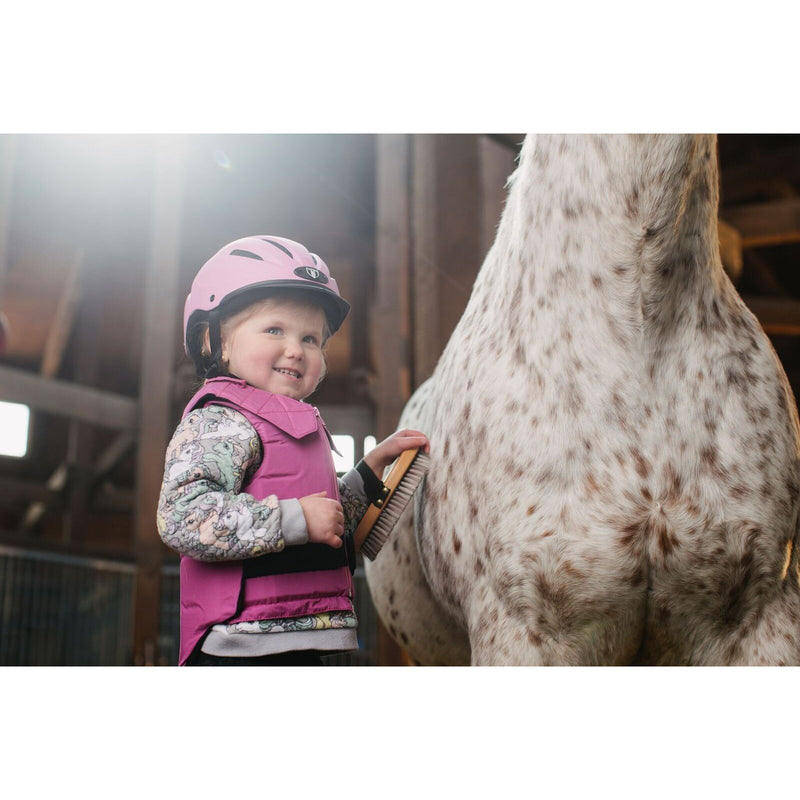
[202, 512]
[354, 500]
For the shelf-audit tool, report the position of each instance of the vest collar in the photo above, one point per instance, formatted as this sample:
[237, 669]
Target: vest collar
[293, 417]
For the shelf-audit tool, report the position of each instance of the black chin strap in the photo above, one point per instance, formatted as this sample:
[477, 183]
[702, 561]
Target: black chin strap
[215, 340]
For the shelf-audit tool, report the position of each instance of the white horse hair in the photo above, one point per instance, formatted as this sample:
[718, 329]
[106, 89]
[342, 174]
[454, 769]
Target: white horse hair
[614, 467]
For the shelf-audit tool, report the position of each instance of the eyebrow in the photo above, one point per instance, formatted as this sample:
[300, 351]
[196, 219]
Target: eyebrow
[278, 321]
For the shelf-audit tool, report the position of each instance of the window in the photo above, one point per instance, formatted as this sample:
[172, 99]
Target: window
[346, 445]
[14, 424]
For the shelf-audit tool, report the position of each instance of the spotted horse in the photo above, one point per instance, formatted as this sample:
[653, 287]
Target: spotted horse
[614, 464]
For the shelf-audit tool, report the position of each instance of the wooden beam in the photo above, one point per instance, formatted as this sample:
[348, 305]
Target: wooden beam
[742, 180]
[730, 250]
[55, 486]
[778, 316]
[20, 490]
[63, 320]
[113, 454]
[54, 347]
[160, 315]
[108, 459]
[66, 399]
[765, 224]
[113, 498]
[761, 275]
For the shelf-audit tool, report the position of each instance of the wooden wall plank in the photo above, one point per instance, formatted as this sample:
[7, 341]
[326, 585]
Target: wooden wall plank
[160, 314]
[390, 321]
[779, 316]
[447, 235]
[8, 159]
[759, 172]
[765, 224]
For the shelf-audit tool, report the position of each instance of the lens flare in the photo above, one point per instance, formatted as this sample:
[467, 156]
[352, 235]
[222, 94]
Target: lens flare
[222, 161]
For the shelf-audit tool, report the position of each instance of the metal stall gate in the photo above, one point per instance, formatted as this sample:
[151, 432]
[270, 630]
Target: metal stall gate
[66, 610]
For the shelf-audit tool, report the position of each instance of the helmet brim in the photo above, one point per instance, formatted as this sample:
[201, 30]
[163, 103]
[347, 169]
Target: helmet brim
[335, 307]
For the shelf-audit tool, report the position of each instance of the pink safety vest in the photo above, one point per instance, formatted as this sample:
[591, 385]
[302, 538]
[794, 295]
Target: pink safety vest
[300, 580]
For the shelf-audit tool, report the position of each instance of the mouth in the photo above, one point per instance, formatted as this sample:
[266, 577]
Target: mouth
[292, 373]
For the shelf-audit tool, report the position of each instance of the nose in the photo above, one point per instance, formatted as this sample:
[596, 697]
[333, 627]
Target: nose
[293, 348]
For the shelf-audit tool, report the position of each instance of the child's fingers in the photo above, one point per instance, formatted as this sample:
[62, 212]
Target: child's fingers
[411, 432]
[407, 439]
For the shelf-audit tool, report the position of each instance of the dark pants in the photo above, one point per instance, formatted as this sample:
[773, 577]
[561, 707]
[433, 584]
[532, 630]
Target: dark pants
[300, 658]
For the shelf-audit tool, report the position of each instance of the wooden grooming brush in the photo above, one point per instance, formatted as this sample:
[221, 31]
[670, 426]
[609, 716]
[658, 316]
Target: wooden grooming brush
[380, 518]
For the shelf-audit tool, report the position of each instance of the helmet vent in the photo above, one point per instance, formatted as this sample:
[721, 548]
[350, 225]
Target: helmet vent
[280, 247]
[314, 258]
[247, 254]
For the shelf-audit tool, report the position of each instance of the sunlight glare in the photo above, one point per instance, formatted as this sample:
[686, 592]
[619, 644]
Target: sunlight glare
[14, 421]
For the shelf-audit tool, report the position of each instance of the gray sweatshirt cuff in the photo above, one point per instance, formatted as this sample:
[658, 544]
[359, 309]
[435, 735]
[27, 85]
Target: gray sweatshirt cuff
[293, 522]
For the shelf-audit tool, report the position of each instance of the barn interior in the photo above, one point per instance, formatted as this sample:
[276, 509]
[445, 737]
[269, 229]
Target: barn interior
[100, 236]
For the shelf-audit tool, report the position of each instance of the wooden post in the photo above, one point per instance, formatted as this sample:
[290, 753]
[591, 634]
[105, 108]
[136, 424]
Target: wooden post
[155, 390]
[391, 318]
[81, 435]
[448, 240]
[434, 196]
[8, 156]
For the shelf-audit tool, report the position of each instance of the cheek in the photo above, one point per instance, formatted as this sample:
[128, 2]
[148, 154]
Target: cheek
[228, 340]
[322, 367]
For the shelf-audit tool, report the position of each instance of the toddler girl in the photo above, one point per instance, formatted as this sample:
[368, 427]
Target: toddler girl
[250, 497]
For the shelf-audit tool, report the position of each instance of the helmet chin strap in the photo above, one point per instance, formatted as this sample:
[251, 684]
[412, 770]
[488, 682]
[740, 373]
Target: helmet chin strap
[215, 341]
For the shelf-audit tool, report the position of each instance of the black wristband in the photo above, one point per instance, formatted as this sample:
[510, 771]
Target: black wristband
[374, 487]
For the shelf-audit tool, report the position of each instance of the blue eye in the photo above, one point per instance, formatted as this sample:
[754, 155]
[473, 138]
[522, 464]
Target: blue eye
[274, 331]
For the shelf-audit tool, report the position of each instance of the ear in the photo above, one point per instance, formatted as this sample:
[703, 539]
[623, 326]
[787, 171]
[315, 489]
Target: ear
[206, 348]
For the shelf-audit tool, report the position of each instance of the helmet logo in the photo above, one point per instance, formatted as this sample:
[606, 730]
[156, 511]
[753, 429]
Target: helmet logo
[311, 274]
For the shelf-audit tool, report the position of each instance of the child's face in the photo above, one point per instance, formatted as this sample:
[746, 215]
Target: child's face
[276, 346]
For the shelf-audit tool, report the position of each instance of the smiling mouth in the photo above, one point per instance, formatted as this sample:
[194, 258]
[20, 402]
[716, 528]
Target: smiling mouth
[290, 372]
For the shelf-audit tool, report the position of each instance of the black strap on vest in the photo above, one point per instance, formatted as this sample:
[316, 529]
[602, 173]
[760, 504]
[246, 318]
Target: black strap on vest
[309, 557]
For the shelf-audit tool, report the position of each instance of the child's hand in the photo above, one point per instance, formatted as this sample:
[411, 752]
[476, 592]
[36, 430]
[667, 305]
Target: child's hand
[324, 519]
[390, 448]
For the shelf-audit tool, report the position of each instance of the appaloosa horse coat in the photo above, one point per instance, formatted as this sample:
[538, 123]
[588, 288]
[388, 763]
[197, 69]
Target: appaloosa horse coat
[614, 466]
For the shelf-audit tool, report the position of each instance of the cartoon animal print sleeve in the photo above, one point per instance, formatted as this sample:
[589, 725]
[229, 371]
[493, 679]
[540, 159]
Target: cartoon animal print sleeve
[201, 511]
[354, 500]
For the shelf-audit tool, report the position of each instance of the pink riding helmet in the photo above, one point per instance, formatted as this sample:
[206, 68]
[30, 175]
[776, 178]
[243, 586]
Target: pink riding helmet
[257, 264]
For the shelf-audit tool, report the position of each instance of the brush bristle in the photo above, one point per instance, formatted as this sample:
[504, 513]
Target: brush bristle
[391, 512]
